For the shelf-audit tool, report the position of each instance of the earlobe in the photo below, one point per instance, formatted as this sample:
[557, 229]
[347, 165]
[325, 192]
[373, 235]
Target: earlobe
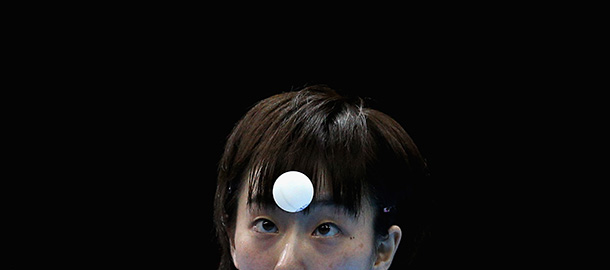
[232, 244]
[386, 248]
[233, 256]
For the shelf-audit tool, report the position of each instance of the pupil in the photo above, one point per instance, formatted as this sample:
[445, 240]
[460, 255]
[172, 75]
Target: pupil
[267, 225]
[324, 229]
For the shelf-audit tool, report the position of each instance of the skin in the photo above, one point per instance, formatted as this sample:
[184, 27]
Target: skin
[324, 238]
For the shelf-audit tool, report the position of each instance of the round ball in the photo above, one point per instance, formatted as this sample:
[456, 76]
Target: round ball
[293, 191]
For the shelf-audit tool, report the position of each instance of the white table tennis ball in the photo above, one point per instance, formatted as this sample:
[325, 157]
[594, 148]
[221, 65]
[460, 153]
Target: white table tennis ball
[293, 191]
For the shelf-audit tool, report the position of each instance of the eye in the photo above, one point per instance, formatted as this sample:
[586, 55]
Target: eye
[265, 226]
[326, 230]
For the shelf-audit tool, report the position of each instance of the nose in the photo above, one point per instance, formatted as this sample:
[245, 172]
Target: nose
[292, 254]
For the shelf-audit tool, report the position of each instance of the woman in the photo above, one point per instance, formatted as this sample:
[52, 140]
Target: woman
[365, 172]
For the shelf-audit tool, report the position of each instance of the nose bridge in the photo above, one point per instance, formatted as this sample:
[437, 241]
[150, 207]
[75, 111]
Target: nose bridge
[291, 255]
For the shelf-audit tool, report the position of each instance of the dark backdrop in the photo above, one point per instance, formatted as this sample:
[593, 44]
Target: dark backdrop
[125, 130]
[145, 135]
[163, 149]
[142, 150]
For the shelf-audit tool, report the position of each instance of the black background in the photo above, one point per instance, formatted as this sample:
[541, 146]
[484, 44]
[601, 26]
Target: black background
[134, 159]
[166, 145]
[129, 151]
[145, 161]
[116, 117]
[129, 135]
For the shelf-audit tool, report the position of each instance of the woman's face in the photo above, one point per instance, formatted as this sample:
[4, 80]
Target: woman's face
[326, 237]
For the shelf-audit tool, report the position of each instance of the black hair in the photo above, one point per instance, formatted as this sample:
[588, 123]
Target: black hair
[352, 151]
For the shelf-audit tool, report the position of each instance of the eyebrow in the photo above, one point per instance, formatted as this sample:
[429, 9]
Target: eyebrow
[323, 203]
[262, 203]
[319, 203]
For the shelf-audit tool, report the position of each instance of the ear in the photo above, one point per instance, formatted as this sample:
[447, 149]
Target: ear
[386, 248]
[233, 255]
[232, 247]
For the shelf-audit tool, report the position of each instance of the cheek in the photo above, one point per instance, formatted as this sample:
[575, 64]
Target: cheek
[250, 255]
[352, 254]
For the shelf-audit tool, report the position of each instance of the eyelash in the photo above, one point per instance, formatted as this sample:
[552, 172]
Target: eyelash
[259, 226]
[327, 228]
[332, 228]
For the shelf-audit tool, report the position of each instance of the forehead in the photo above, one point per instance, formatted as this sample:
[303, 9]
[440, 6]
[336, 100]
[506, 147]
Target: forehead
[322, 201]
[330, 189]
